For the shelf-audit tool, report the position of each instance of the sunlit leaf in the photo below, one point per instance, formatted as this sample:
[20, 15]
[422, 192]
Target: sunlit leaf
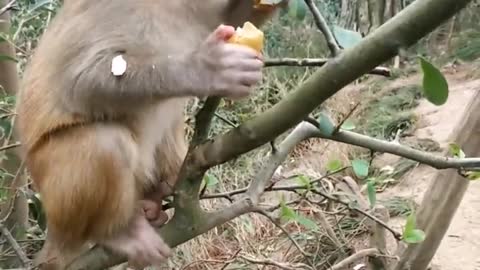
[411, 234]
[210, 180]
[456, 151]
[360, 168]
[473, 176]
[305, 181]
[286, 213]
[348, 125]
[326, 125]
[435, 86]
[308, 223]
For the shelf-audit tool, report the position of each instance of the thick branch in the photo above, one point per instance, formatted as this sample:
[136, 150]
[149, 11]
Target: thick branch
[406, 28]
[203, 119]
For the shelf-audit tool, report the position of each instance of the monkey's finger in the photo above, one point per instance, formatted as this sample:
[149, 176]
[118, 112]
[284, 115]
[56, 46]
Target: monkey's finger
[221, 34]
[235, 50]
[249, 65]
[250, 78]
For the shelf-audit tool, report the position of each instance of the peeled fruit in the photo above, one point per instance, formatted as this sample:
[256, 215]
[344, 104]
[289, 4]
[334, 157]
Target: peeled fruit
[248, 35]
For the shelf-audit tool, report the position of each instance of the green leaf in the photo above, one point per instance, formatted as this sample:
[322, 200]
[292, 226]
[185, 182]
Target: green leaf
[346, 38]
[473, 176]
[334, 165]
[210, 180]
[456, 151]
[286, 213]
[435, 86]
[348, 125]
[411, 223]
[360, 168]
[372, 193]
[297, 9]
[414, 237]
[411, 235]
[305, 181]
[7, 58]
[326, 125]
[308, 223]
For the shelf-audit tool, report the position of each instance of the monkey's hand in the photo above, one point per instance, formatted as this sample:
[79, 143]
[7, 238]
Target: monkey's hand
[231, 70]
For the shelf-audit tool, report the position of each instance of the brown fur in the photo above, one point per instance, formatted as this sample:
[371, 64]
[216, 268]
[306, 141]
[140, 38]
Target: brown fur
[95, 143]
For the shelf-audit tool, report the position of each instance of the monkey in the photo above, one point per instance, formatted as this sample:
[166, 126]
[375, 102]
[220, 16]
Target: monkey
[104, 149]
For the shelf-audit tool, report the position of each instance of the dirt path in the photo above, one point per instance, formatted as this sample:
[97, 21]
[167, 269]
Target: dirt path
[460, 249]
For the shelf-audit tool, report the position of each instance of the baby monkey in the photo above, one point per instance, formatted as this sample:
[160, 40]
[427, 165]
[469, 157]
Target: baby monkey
[104, 149]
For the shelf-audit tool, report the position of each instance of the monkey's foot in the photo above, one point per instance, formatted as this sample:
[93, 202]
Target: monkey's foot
[142, 245]
[154, 213]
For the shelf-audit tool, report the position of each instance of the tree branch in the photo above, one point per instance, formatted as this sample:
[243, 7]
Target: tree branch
[358, 255]
[14, 244]
[203, 119]
[435, 161]
[403, 30]
[317, 62]
[7, 7]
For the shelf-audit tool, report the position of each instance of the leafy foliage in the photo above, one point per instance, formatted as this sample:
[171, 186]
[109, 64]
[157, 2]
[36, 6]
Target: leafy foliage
[435, 86]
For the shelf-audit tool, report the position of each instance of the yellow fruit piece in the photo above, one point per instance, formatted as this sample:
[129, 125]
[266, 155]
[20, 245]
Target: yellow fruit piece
[248, 35]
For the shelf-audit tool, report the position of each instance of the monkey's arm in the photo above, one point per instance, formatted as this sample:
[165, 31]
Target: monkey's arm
[212, 68]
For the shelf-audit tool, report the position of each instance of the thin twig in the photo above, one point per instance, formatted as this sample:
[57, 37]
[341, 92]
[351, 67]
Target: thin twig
[358, 255]
[224, 119]
[228, 195]
[396, 234]
[317, 62]
[339, 126]
[279, 226]
[323, 27]
[8, 206]
[14, 244]
[271, 262]
[232, 259]
[9, 146]
[7, 7]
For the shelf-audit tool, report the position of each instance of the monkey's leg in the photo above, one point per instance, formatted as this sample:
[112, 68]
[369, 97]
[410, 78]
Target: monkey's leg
[169, 158]
[86, 180]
